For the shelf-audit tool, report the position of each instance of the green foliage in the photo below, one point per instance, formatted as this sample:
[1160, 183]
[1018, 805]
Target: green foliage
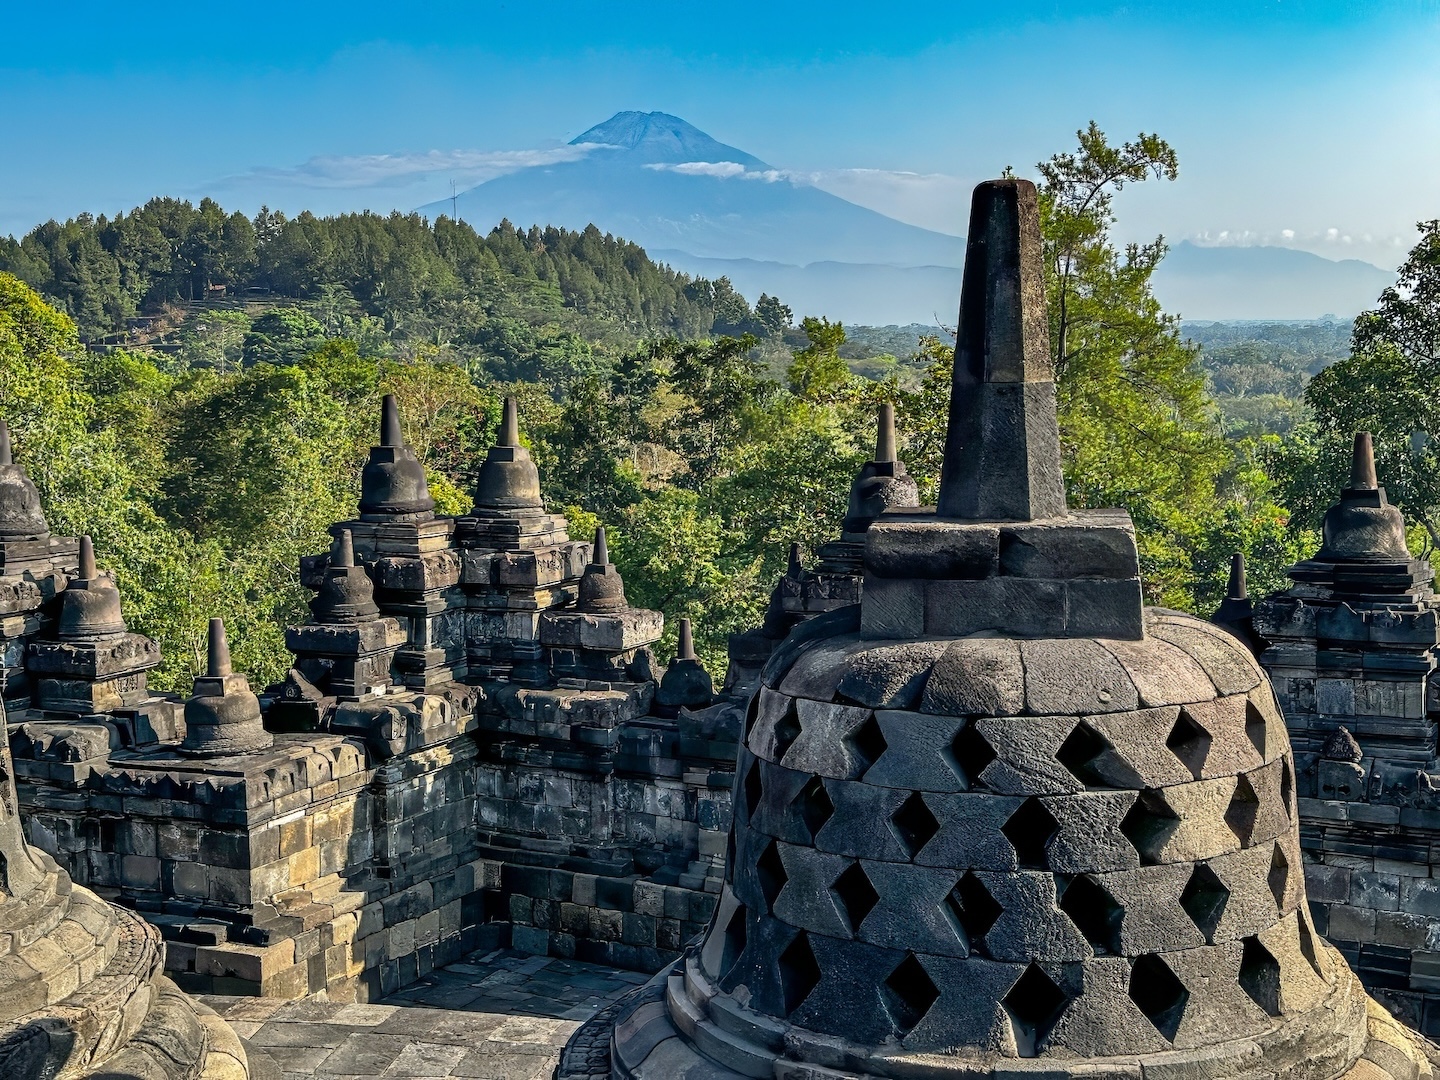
[672, 552]
[282, 336]
[1136, 423]
[1258, 372]
[1387, 386]
[818, 373]
[525, 304]
[206, 474]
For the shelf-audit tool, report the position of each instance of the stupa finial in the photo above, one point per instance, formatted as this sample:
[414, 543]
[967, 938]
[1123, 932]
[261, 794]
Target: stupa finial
[1002, 449]
[796, 567]
[390, 422]
[600, 553]
[5, 457]
[345, 549]
[509, 423]
[87, 559]
[218, 658]
[885, 433]
[1237, 589]
[1362, 463]
[685, 650]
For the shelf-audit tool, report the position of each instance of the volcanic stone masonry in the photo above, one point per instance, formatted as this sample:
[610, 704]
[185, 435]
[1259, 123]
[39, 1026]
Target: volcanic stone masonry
[1350, 649]
[82, 985]
[1000, 819]
[987, 807]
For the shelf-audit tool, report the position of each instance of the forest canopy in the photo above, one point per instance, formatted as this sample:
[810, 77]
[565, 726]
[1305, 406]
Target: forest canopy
[198, 389]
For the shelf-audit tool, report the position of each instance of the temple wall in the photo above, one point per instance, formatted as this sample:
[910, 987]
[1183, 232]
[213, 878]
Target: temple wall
[312, 871]
[1369, 808]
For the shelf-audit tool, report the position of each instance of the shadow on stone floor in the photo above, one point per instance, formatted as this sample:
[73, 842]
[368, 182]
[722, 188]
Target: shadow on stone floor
[499, 1016]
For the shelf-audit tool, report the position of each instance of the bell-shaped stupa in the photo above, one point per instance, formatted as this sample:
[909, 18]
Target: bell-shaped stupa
[1002, 820]
[21, 517]
[393, 483]
[222, 716]
[508, 479]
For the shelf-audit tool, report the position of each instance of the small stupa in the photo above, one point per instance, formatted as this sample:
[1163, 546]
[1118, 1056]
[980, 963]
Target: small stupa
[222, 716]
[393, 483]
[686, 684]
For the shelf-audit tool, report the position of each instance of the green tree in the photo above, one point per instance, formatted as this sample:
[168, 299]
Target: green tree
[818, 373]
[1138, 427]
[282, 336]
[1387, 386]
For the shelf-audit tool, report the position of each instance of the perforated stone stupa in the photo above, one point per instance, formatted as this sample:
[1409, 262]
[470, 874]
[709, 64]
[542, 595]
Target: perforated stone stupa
[999, 819]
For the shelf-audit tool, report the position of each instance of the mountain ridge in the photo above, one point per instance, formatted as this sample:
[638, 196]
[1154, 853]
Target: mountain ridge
[708, 208]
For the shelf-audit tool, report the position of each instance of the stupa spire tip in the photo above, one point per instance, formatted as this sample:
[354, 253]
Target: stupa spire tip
[1002, 445]
[218, 658]
[1237, 588]
[390, 422]
[1362, 463]
[600, 555]
[885, 433]
[87, 559]
[509, 423]
[345, 548]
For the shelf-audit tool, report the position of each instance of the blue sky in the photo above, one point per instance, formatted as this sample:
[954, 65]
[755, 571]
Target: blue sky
[1312, 124]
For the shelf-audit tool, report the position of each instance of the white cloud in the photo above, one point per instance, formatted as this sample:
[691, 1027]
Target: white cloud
[394, 170]
[1333, 242]
[722, 170]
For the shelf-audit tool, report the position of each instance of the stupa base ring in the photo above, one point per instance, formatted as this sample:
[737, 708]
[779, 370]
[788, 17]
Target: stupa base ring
[679, 1026]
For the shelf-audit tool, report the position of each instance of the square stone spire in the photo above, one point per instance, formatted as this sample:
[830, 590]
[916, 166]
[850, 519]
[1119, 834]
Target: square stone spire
[1002, 449]
[1001, 553]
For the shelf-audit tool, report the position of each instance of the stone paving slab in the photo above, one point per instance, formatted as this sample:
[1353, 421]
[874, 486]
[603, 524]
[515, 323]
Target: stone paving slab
[500, 1016]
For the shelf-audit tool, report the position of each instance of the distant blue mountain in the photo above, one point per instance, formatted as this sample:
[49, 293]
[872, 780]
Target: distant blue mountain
[709, 208]
[1265, 283]
[660, 137]
[663, 183]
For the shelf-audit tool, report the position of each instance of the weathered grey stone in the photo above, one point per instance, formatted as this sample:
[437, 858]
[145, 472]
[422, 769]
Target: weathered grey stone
[1162, 673]
[969, 834]
[893, 608]
[1025, 749]
[1232, 671]
[824, 745]
[978, 676]
[916, 546]
[1104, 608]
[1089, 832]
[890, 677]
[1030, 923]
[1074, 678]
[913, 910]
[1104, 1020]
[1087, 543]
[1024, 606]
[919, 754]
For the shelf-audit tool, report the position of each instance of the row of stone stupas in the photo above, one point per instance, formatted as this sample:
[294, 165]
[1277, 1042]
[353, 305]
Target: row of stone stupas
[83, 990]
[475, 744]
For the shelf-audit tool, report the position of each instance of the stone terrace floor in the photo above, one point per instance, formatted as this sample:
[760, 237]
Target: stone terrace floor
[499, 1016]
